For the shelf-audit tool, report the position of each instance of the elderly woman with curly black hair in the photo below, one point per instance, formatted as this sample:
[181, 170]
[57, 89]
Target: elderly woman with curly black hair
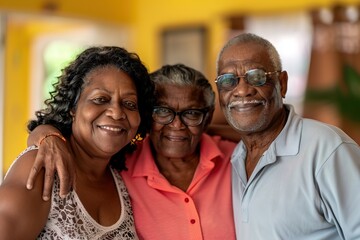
[102, 101]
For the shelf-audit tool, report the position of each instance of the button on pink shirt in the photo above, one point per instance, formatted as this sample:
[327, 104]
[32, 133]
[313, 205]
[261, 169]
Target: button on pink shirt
[163, 211]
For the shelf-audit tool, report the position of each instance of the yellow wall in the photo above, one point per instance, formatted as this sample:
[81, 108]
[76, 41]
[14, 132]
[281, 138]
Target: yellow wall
[118, 11]
[15, 91]
[145, 18]
[19, 39]
[152, 16]
[149, 17]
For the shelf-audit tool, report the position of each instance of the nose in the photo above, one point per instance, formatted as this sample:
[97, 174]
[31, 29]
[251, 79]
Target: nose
[177, 123]
[116, 111]
[243, 88]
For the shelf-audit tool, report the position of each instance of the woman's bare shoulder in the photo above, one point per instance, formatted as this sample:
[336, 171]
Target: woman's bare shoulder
[20, 168]
[22, 211]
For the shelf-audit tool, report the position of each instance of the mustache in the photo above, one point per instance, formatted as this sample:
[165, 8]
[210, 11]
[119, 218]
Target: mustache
[244, 103]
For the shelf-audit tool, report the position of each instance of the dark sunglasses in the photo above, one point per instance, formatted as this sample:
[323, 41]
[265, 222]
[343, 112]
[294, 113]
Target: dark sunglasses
[254, 77]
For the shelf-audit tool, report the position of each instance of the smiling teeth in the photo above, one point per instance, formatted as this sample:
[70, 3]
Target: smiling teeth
[245, 103]
[111, 128]
[174, 138]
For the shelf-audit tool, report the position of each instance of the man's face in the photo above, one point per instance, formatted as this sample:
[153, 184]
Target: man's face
[249, 108]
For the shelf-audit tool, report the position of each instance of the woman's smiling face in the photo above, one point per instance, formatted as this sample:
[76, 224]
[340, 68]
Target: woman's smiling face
[106, 117]
[176, 140]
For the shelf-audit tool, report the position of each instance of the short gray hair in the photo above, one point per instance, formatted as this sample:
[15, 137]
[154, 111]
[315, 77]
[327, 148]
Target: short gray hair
[253, 38]
[181, 75]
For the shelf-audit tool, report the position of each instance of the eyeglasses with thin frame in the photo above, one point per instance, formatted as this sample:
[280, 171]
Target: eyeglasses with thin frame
[189, 117]
[254, 77]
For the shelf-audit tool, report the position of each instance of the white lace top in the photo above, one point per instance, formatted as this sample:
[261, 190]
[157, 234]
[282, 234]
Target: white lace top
[68, 219]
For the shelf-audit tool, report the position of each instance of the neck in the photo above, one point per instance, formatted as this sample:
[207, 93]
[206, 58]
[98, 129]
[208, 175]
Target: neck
[257, 143]
[262, 139]
[91, 167]
[178, 171]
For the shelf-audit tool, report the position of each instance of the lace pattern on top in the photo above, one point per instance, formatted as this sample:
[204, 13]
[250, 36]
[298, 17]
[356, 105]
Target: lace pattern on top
[68, 218]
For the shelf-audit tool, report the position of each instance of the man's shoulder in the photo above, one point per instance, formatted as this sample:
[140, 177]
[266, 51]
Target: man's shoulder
[325, 132]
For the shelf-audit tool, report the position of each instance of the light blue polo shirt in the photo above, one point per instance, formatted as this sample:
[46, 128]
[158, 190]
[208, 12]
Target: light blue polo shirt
[306, 186]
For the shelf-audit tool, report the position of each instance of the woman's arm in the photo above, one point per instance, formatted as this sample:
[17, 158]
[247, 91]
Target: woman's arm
[55, 156]
[23, 213]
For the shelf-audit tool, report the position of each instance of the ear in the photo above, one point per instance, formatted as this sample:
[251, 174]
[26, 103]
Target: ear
[283, 79]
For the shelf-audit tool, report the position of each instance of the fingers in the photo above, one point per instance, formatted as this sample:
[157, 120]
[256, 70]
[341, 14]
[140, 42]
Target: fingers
[48, 183]
[66, 180]
[65, 168]
[42, 161]
[38, 164]
[55, 156]
[32, 175]
[49, 175]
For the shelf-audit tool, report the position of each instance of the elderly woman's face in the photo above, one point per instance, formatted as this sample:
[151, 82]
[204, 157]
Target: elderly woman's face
[106, 117]
[175, 139]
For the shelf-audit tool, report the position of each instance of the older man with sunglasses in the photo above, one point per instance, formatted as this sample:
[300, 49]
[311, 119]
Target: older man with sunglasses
[292, 178]
[179, 179]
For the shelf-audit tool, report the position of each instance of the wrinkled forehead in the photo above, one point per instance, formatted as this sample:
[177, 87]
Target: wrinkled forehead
[174, 92]
[241, 54]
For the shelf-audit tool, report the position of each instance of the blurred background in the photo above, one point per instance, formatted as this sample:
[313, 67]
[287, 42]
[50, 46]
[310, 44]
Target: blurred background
[318, 40]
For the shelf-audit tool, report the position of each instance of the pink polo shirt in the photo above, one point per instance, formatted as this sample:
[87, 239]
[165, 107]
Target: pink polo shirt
[165, 212]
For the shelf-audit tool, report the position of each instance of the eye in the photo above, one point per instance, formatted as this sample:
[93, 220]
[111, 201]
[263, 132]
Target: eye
[162, 111]
[131, 105]
[100, 100]
[227, 80]
[192, 114]
[256, 77]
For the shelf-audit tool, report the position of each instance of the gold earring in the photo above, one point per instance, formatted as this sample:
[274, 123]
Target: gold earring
[137, 138]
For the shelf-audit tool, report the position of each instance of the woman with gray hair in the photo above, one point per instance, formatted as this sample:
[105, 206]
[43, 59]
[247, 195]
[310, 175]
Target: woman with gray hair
[179, 178]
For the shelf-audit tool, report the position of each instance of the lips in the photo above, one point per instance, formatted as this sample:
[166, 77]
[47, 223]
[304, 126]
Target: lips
[115, 129]
[243, 106]
[175, 138]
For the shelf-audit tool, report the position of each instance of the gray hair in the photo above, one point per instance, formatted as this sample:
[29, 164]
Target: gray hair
[181, 75]
[253, 38]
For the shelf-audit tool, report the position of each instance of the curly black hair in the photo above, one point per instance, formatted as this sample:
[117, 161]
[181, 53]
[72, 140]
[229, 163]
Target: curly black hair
[71, 83]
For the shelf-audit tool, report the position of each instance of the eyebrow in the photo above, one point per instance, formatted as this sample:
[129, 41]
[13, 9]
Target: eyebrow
[125, 92]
